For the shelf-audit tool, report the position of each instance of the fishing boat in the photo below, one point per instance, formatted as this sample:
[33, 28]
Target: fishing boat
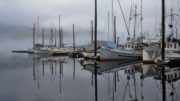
[152, 48]
[132, 49]
[107, 54]
[61, 51]
[40, 49]
[107, 66]
[89, 54]
[88, 51]
[152, 51]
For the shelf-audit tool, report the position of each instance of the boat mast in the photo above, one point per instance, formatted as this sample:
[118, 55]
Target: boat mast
[59, 33]
[51, 37]
[108, 25]
[92, 31]
[55, 36]
[114, 29]
[155, 29]
[163, 51]
[73, 38]
[135, 19]
[141, 19]
[33, 35]
[95, 29]
[95, 49]
[171, 23]
[37, 28]
[130, 14]
[43, 36]
[113, 25]
[62, 37]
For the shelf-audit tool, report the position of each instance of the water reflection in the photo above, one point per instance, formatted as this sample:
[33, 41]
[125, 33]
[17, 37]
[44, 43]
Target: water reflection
[136, 73]
[52, 63]
[64, 78]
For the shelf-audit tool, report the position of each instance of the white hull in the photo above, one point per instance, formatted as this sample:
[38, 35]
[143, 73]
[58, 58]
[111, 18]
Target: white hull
[118, 54]
[40, 50]
[62, 51]
[151, 55]
[90, 55]
[152, 51]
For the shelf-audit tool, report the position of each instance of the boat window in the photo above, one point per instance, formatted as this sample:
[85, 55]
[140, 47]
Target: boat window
[171, 45]
[171, 76]
[168, 76]
[167, 45]
[174, 45]
[175, 75]
[125, 46]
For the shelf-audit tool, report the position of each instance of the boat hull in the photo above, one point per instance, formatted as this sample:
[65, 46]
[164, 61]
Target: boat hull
[107, 54]
[152, 55]
[89, 55]
[40, 51]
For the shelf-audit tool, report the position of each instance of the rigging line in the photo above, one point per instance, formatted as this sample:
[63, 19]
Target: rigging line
[176, 95]
[159, 89]
[135, 86]
[178, 5]
[124, 18]
[137, 27]
[109, 84]
[157, 99]
[122, 79]
[138, 89]
[129, 89]
[125, 90]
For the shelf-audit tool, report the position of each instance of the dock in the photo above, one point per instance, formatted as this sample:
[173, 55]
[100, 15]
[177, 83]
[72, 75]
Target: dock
[22, 51]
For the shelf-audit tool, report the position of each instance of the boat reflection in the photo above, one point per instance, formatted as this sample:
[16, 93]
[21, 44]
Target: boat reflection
[49, 66]
[172, 75]
[107, 66]
[116, 80]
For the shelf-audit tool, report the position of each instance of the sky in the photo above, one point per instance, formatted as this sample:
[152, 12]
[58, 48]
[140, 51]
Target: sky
[81, 12]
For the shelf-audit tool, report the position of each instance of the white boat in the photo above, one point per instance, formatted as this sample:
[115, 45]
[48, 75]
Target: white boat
[107, 54]
[61, 51]
[88, 51]
[107, 66]
[89, 54]
[40, 50]
[152, 51]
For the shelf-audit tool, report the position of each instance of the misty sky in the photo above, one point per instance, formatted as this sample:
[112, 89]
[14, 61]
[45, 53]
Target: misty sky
[80, 13]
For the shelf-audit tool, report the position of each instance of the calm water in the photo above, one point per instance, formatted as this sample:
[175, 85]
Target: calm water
[26, 77]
